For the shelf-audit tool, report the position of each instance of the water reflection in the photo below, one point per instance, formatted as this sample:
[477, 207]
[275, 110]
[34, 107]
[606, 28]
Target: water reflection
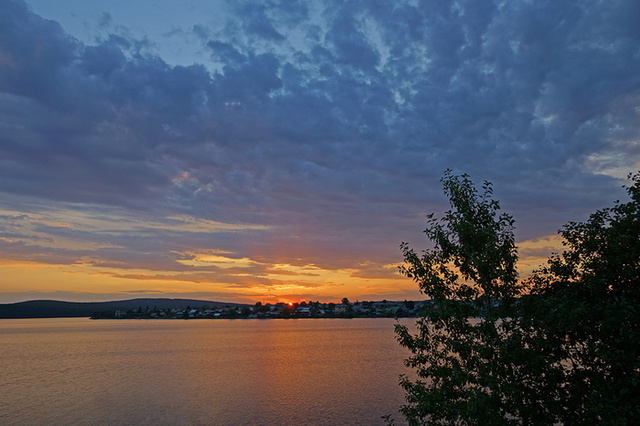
[311, 371]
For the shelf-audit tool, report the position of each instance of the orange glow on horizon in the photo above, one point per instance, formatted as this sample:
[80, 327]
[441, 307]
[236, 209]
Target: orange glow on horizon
[218, 276]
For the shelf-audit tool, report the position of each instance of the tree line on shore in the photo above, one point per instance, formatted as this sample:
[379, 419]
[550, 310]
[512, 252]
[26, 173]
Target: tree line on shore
[310, 309]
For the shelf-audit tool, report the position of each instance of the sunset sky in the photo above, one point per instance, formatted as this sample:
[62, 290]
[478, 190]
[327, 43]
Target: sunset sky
[282, 150]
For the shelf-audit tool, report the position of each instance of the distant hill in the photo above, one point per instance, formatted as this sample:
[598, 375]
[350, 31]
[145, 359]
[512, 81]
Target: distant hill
[58, 309]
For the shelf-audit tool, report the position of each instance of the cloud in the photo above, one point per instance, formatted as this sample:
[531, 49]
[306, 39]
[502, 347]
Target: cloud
[257, 23]
[319, 128]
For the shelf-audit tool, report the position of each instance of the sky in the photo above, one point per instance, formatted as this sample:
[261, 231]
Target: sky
[248, 151]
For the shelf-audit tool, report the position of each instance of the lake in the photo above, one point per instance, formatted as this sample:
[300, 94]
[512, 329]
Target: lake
[199, 372]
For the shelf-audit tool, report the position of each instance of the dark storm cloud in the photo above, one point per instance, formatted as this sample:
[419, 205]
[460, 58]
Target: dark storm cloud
[331, 122]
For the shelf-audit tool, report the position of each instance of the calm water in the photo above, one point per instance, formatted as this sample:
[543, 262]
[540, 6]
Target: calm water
[199, 372]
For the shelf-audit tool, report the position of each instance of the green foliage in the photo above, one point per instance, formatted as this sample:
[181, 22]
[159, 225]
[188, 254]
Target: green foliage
[470, 273]
[585, 304]
[565, 351]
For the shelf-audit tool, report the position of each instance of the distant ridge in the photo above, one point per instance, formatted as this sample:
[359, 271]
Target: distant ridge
[59, 309]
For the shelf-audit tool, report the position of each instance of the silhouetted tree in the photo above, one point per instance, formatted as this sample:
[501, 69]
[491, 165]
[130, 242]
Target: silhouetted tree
[565, 352]
[469, 272]
[331, 307]
[585, 306]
